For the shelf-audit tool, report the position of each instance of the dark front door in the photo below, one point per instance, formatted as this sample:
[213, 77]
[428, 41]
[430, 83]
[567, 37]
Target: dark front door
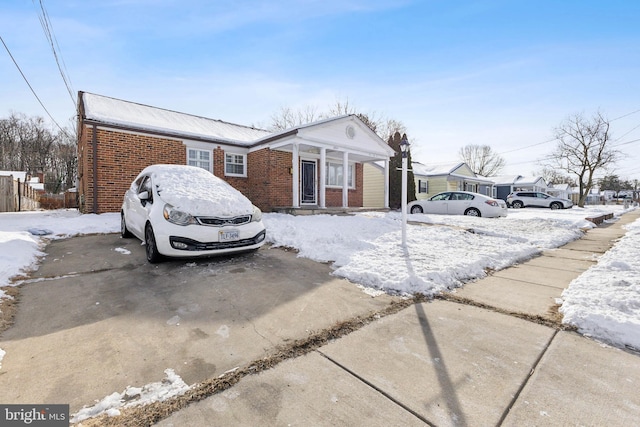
[308, 182]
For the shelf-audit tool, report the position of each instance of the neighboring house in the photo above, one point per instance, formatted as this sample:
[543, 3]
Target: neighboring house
[560, 190]
[509, 183]
[295, 168]
[373, 185]
[431, 180]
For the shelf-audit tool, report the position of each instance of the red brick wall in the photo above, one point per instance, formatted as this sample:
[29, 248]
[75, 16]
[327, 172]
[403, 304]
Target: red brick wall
[269, 182]
[121, 156]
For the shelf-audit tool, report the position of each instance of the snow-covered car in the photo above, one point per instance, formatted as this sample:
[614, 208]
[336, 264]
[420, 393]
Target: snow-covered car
[521, 199]
[460, 203]
[186, 211]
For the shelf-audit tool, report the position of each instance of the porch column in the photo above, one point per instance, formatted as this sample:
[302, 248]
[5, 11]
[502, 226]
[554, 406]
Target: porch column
[386, 184]
[345, 180]
[323, 178]
[295, 186]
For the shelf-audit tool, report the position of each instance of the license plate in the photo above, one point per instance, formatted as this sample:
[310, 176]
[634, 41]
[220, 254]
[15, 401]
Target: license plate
[229, 236]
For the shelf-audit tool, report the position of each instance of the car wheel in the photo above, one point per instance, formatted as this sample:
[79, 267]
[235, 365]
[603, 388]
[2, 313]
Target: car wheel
[153, 256]
[556, 205]
[416, 209]
[472, 212]
[124, 231]
[517, 204]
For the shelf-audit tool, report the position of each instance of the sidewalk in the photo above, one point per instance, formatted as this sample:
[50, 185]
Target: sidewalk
[497, 360]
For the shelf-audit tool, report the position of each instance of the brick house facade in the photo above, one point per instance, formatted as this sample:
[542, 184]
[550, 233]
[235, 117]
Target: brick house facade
[117, 139]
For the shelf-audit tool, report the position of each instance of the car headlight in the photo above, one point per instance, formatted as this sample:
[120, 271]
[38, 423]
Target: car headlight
[177, 217]
[257, 214]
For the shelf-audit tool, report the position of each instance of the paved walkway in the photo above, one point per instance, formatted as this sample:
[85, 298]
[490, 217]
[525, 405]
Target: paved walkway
[498, 359]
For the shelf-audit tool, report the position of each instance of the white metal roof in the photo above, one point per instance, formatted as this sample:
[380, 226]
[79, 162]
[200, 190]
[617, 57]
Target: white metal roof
[113, 111]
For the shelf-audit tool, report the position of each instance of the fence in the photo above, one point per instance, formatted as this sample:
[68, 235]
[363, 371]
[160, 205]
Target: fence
[59, 201]
[17, 196]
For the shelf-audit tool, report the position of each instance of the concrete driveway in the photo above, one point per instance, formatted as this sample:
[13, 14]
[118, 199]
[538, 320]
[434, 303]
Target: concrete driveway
[96, 317]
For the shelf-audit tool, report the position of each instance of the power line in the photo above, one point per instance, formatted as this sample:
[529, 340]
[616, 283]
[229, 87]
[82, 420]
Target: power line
[47, 27]
[31, 87]
[529, 146]
[625, 115]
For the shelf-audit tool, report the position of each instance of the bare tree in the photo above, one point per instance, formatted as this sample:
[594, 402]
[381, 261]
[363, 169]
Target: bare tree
[583, 149]
[287, 118]
[482, 159]
[27, 144]
[554, 176]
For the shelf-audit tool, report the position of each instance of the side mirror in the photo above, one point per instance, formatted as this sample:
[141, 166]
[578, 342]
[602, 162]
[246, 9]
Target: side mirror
[144, 196]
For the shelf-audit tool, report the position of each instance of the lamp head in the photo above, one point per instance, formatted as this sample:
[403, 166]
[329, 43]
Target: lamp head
[404, 145]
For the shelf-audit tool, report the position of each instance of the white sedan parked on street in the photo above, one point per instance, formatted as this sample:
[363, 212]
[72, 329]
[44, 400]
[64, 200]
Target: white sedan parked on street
[185, 211]
[460, 203]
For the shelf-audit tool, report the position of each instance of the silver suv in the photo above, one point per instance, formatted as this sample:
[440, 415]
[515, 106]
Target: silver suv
[521, 199]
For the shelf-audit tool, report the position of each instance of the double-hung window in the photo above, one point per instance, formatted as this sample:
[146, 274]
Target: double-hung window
[423, 186]
[235, 164]
[335, 175]
[200, 158]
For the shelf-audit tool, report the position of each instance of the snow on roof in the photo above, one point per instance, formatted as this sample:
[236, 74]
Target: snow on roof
[565, 187]
[437, 169]
[524, 180]
[505, 179]
[16, 174]
[130, 114]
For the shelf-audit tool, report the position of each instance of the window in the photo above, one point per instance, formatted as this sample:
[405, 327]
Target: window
[234, 164]
[423, 186]
[199, 158]
[441, 196]
[334, 175]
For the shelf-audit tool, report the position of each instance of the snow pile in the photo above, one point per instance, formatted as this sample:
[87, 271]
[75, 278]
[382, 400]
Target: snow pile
[23, 235]
[23, 256]
[172, 385]
[604, 302]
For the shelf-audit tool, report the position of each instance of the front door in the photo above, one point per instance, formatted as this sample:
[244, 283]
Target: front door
[308, 186]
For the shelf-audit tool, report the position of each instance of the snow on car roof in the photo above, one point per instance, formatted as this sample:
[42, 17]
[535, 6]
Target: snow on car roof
[197, 191]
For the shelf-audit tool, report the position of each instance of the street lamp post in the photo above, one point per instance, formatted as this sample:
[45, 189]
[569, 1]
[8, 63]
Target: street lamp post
[404, 147]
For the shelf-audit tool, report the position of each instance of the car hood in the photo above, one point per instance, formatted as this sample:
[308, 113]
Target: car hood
[199, 193]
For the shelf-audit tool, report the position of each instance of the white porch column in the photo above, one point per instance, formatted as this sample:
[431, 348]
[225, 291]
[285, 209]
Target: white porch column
[323, 178]
[386, 184]
[345, 180]
[295, 187]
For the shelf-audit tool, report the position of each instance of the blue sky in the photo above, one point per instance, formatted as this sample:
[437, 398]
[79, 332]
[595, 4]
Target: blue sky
[496, 72]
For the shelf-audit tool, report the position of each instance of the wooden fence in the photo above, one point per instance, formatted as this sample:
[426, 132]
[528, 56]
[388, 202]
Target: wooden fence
[17, 196]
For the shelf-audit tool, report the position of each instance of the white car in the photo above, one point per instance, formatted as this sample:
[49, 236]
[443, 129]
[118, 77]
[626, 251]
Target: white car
[185, 211]
[521, 199]
[460, 203]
